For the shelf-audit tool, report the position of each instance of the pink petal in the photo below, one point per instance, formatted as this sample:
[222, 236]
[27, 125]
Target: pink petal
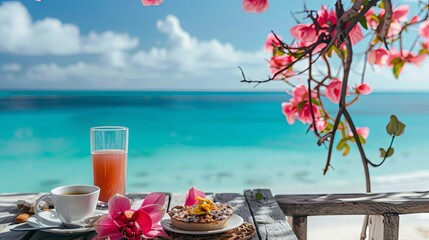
[400, 13]
[289, 112]
[118, 204]
[424, 29]
[151, 2]
[255, 5]
[191, 196]
[356, 35]
[154, 198]
[364, 131]
[418, 59]
[155, 211]
[364, 88]
[106, 227]
[143, 219]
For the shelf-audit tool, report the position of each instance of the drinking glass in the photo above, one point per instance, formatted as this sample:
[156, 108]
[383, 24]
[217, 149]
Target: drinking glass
[109, 150]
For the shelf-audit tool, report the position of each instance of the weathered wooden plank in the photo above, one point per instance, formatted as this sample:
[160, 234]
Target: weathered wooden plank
[299, 227]
[375, 227]
[269, 220]
[239, 204]
[391, 226]
[354, 204]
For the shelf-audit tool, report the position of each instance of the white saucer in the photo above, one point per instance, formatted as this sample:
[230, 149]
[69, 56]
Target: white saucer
[233, 222]
[50, 218]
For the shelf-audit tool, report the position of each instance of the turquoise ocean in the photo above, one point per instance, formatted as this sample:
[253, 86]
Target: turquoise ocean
[216, 141]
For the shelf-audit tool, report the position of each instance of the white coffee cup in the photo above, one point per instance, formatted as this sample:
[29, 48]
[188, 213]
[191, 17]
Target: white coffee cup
[72, 203]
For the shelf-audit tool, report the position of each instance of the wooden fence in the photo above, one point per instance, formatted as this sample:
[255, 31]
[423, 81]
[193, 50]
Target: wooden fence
[384, 209]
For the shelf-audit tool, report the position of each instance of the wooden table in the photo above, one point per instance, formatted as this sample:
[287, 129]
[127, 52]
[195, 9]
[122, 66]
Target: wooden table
[254, 206]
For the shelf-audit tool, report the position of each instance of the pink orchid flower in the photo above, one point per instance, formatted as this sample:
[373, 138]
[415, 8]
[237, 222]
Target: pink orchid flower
[364, 89]
[272, 42]
[379, 56]
[123, 222]
[257, 6]
[191, 196]
[333, 90]
[363, 131]
[151, 2]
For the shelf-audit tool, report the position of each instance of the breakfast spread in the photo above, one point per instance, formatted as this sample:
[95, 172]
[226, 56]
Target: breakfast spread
[202, 216]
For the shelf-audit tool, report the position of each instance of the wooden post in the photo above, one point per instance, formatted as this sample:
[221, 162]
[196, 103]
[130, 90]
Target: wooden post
[299, 227]
[391, 226]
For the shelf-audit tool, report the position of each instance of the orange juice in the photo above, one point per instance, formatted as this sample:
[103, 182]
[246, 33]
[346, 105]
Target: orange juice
[109, 171]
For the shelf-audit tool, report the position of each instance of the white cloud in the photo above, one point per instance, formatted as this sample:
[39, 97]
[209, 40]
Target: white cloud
[413, 78]
[185, 62]
[20, 35]
[11, 67]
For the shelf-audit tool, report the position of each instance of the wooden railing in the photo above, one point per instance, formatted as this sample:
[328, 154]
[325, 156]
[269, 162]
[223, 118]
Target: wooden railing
[384, 209]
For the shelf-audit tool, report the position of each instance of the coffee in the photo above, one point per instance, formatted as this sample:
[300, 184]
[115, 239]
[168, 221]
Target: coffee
[74, 193]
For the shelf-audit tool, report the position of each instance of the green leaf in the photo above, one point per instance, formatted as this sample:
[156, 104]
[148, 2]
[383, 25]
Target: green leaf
[381, 5]
[315, 101]
[382, 152]
[341, 144]
[390, 152]
[337, 51]
[301, 105]
[397, 69]
[375, 18]
[395, 127]
[346, 150]
[363, 23]
[259, 196]
[361, 139]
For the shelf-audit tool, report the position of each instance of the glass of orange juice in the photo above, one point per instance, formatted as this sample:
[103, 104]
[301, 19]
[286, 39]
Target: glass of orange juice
[109, 150]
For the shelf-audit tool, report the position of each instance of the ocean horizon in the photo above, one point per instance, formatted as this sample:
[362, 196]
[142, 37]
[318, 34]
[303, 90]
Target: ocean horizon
[226, 141]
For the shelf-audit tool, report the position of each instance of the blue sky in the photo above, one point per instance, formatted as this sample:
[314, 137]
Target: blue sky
[180, 45]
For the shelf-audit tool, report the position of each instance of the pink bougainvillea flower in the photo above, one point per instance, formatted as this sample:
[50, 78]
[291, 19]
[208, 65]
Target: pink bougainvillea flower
[363, 131]
[305, 114]
[299, 94]
[299, 106]
[400, 13]
[151, 2]
[356, 34]
[304, 33]
[394, 29]
[379, 56]
[191, 196]
[272, 42]
[424, 29]
[321, 124]
[333, 90]
[414, 19]
[255, 5]
[277, 63]
[326, 18]
[405, 56]
[371, 21]
[123, 222]
[364, 88]
[289, 112]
